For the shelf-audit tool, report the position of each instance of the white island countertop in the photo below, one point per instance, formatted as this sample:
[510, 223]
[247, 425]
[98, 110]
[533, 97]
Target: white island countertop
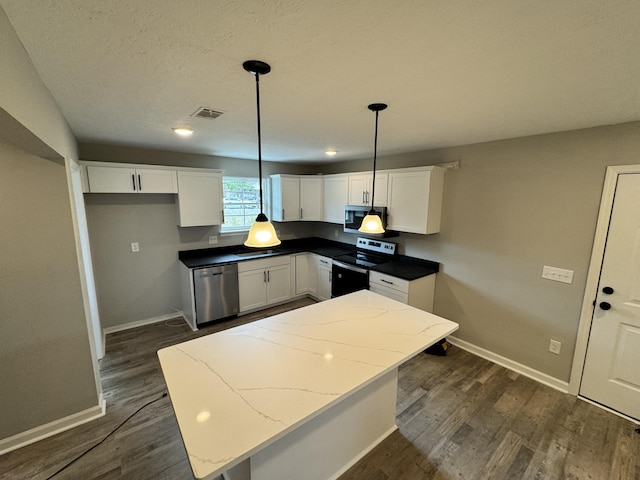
[236, 391]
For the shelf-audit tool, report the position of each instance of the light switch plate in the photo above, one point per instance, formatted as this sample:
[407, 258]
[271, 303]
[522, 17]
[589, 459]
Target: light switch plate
[135, 247]
[557, 274]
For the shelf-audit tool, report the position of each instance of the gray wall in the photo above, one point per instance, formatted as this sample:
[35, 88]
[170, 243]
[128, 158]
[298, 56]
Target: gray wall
[139, 286]
[45, 358]
[512, 207]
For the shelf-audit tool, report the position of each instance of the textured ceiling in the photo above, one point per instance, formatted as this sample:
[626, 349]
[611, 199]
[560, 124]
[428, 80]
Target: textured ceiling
[453, 72]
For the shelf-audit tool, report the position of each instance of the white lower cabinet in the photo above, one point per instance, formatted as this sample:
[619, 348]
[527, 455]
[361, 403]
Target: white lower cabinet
[323, 277]
[418, 293]
[264, 282]
[305, 277]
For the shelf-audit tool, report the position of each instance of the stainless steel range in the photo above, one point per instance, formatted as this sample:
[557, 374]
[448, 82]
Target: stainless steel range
[351, 272]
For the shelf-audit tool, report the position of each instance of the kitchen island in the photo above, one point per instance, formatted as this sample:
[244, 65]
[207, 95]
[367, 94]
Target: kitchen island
[303, 394]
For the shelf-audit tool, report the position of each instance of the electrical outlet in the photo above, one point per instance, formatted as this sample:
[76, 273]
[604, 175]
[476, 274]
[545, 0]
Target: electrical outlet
[335, 233]
[213, 239]
[135, 247]
[557, 274]
[554, 346]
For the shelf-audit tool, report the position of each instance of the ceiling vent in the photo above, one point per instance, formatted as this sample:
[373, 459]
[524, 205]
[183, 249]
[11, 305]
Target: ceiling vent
[204, 112]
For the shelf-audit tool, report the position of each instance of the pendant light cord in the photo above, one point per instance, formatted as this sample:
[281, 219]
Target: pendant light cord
[259, 138]
[375, 156]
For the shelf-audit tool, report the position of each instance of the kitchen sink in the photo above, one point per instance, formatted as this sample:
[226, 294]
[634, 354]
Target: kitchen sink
[254, 253]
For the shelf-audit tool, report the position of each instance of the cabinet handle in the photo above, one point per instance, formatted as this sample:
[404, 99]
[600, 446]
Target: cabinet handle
[268, 276]
[283, 214]
[324, 261]
[139, 183]
[386, 281]
[301, 217]
[133, 180]
[363, 199]
[264, 277]
[223, 216]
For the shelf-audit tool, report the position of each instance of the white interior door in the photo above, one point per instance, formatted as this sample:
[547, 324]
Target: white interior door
[611, 375]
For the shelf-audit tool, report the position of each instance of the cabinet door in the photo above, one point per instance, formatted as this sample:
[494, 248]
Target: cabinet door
[303, 272]
[111, 179]
[156, 181]
[278, 284]
[324, 283]
[408, 201]
[380, 199]
[285, 195]
[252, 289]
[199, 199]
[311, 194]
[415, 200]
[323, 291]
[336, 196]
[358, 188]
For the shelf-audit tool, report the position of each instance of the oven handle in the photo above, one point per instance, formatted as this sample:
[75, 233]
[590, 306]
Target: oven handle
[353, 268]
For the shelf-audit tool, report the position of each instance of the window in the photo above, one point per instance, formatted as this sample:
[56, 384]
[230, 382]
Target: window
[241, 198]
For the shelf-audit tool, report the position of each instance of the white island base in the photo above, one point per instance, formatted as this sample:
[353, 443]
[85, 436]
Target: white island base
[329, 444]
[302, 395]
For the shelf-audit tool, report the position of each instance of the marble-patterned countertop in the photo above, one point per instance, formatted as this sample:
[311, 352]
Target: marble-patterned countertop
[236, 391]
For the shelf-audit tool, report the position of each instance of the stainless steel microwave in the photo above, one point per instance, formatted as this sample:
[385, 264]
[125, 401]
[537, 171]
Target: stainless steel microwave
[354, 214]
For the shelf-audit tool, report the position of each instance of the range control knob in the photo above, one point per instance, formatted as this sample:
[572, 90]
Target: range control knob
[607, 290]
[605, 305]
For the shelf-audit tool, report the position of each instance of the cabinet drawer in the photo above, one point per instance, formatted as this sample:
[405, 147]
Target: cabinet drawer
[389, 281]
[390, 293]
[264, 263]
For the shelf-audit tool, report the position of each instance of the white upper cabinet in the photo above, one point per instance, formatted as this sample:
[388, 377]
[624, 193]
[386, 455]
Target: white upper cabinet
[361, 189]
[336, 196]
[415, 199]
[199, 198]
[285, 198]
[311, 194]
[296, 197]
[130, 179]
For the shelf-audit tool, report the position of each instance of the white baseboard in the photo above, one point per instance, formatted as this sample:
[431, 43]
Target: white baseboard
[511, 365]
[140, 323]
[52, 428]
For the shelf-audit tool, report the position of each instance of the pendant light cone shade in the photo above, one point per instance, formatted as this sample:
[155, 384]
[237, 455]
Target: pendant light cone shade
[261, 234]
[372, 222]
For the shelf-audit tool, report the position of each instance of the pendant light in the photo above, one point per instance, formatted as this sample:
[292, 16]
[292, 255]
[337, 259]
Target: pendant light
[261, 234]
[372, 222]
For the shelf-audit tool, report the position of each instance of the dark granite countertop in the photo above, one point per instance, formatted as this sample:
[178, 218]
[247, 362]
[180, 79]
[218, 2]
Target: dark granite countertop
[407, 268]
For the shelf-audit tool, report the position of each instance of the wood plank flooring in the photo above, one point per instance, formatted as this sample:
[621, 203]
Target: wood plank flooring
[459, 417]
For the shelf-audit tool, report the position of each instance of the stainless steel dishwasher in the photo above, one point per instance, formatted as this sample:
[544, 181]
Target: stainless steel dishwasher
[216, 292]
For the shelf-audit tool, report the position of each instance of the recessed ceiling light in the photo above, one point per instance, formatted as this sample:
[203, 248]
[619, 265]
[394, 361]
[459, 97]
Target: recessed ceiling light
[331, 152]
[183, 131]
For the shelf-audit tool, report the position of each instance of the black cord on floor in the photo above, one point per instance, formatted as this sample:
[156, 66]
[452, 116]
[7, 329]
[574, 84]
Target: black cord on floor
[108, 435]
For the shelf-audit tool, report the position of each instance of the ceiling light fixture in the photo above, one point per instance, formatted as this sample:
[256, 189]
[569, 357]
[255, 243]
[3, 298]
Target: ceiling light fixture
[331, 152]
[183, 131]
[261, 233]
[372, 222]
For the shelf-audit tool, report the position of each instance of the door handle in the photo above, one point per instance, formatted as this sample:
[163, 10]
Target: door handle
[607, 290]
[605, 305]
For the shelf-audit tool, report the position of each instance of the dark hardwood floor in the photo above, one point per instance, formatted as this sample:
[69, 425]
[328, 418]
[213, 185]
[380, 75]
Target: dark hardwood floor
[459, 417]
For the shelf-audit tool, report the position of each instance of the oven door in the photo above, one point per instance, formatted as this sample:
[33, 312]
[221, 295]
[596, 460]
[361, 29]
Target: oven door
[347, 278]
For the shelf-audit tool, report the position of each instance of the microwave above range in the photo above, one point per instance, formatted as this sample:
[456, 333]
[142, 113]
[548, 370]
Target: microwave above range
[354, 215]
